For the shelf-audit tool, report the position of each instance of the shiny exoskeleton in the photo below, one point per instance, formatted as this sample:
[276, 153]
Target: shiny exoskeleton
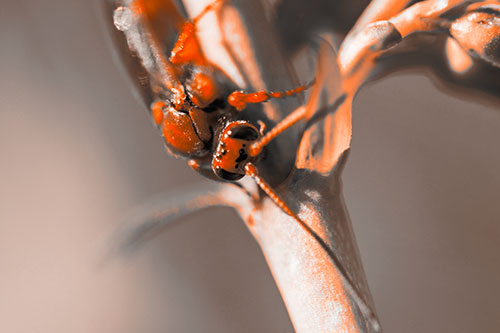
[197, 114]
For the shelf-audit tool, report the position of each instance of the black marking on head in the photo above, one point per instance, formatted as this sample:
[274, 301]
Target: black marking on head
[243, 156]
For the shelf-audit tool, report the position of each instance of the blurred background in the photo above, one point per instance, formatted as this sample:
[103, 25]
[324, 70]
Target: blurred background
[78, 150]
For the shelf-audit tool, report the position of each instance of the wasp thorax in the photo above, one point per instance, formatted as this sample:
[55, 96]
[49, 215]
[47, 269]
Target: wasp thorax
[202, 89]
[232, 154]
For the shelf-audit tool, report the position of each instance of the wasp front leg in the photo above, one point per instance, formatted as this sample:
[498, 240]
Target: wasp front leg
[187, 48]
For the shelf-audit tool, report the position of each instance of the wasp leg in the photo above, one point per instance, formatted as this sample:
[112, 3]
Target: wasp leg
[187, 48]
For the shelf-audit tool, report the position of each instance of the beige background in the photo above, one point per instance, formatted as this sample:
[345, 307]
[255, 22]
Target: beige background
[77, 150]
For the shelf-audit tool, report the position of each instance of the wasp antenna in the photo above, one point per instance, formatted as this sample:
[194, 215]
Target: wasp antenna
[302, 113]
[251, 170]
[240, 99]
[297, 115]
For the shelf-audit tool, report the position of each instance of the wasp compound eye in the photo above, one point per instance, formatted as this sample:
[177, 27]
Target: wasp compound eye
[244, 132]
[232, 155]
[180, 134]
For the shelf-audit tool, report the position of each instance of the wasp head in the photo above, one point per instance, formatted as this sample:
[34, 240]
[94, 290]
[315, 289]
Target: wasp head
[232, 154]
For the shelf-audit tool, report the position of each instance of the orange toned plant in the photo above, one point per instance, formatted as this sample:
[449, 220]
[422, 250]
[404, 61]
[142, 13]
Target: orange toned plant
[223, 72]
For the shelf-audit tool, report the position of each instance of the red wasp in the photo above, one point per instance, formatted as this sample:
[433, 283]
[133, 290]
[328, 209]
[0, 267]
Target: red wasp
[196, 110]
[199, 110]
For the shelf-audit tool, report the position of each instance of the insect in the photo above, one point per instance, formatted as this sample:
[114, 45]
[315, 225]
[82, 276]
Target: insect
[199, 112]
[196, 110]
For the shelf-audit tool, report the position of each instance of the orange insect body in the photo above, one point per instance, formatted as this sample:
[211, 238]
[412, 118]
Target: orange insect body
[187, 49]
[179, 125]
[197, 113]
[239, 99]
[203, 90]
[232, 152]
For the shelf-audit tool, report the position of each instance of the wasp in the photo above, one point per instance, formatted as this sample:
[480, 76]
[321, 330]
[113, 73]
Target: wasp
[196, 110]
[199, 111]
